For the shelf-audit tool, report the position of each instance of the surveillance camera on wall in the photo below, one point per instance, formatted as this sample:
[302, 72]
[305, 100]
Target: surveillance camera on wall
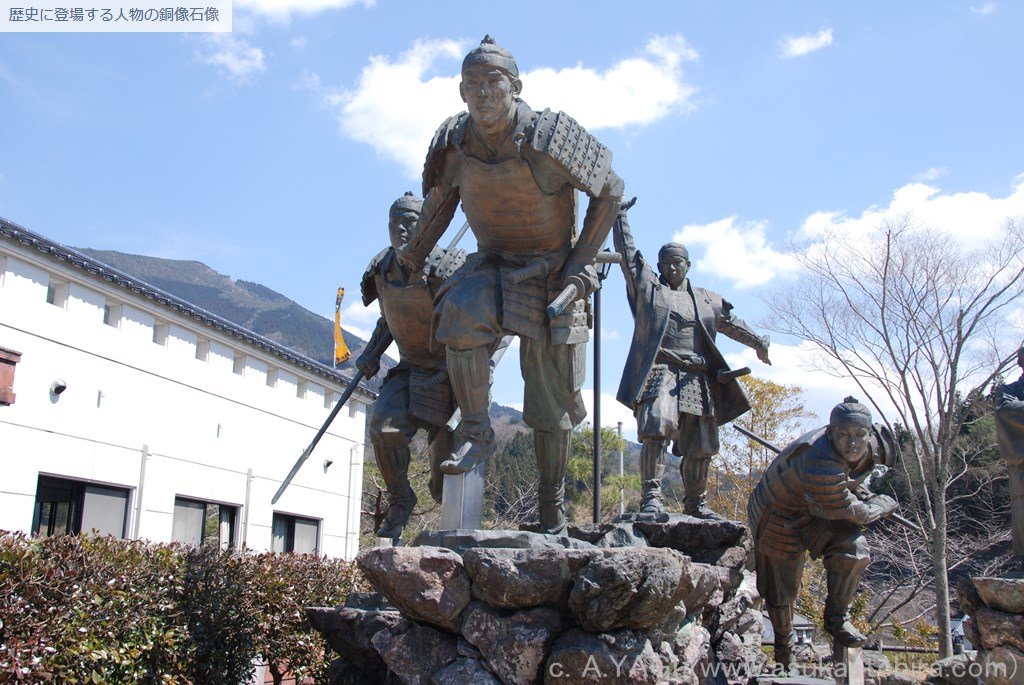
[327, 463]
[58, 386]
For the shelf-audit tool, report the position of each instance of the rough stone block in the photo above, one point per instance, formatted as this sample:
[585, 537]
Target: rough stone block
[417, 653]
[515, 579]
[997, 629]
[464, 672]
[516, 645]
[629, 588]
[1002, 594]
[703, 540]
[427, 584]
[1001, 666]
[959, 669]
[349, 632]
[625, 657]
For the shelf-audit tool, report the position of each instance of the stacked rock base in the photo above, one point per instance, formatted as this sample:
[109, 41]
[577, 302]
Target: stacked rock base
[995, 629]
[642, 602]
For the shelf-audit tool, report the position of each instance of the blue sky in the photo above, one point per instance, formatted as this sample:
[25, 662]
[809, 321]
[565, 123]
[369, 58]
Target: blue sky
[272, 153]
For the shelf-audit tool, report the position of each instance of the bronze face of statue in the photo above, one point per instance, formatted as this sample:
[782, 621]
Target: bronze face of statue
[673, 379]
[812, 498]
[1010, 431]
[515, 172]
[415, 393]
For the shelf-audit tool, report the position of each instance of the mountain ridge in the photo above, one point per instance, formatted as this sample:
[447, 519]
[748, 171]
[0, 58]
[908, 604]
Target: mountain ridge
[246, 303]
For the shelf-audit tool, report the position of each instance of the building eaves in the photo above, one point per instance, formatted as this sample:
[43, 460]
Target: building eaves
[72, 257]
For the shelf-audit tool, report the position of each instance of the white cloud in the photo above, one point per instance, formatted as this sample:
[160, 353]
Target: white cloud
[984, 8]
[798, 46]
[237, 56]
[298, 43]
[399, 128]
[809, 369]
[931, 174]
[970, 218]
[359, 320]
[280, 10]
[740, 253]
[635, 91]
[973, 218]
[612, 411]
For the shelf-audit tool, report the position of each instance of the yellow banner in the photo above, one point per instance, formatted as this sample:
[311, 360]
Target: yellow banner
[341, 353]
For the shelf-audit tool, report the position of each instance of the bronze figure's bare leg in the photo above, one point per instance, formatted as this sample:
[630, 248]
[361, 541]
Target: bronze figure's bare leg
[778, 581]
[697, 442]
[552, 448]
[552, 405]
[391, 431]
[782, 625]
[695, 484]
[470, 374]
[652, 469]
[844, 564]
[394, 467]
[439, 446]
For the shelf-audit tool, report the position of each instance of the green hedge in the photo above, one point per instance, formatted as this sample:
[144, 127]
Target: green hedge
[89, 609]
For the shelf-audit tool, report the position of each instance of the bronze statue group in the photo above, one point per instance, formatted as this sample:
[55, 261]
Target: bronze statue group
[516, 172]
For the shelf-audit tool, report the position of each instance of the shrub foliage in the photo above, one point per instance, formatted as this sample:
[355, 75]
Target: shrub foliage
[90, 609]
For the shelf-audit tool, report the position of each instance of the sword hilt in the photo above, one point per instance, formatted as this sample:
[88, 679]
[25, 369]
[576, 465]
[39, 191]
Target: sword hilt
[727, 375]
[566, 297]
[537, 268]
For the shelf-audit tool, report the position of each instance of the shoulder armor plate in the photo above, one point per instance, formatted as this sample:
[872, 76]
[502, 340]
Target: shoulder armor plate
[557, 135]
[443, 263]
[449, 133]
[369, 284]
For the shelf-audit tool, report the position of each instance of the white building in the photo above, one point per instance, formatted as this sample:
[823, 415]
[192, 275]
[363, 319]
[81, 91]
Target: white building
[128, 410]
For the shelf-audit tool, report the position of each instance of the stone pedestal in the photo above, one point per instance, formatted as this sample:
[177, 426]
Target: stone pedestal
[848, 663]
[463, 500]
[995, 628]
[649, 602]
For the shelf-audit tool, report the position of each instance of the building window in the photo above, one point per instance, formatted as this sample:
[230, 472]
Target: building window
[57, 293]
[69, 506]
[204, 523]
[295, 534]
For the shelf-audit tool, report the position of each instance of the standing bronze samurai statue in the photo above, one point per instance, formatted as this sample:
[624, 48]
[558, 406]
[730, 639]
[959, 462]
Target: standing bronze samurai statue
[675, 379]
[416, 393]
[516, 173]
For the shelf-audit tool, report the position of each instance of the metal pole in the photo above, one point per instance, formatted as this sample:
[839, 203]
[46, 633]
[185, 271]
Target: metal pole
[138, 493]
[245, 519]
[597, 405]
[622, 481]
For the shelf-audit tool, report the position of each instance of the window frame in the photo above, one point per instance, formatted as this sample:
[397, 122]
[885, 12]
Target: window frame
[231, 542]
[290, 521]
[76, 501]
